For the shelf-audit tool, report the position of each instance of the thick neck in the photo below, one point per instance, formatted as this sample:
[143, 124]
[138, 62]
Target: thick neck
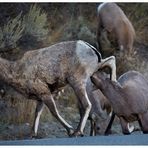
[109, 87]
[112, 90]
[5, 70]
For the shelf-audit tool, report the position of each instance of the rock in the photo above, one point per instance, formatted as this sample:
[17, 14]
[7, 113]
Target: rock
[10, 127]
[27, 124]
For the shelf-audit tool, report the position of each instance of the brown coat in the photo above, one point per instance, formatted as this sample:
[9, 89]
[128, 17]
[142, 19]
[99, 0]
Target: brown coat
[40, 72]
[128, 96]
[113, 21]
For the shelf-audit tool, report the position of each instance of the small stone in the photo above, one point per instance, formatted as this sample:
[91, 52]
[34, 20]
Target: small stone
[10, 127]
[27, 124]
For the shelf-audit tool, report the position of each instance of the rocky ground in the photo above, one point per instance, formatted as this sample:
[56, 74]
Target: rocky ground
[52, 128]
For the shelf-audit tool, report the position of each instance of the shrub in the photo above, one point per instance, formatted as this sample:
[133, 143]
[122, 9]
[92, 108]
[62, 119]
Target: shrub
[15, 108]
[86, 35]
[35, 23]
[10, 33]
[126, 62]
[78, 29]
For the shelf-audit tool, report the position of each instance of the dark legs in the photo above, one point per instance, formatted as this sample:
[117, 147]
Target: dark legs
[108, 129]
[126, 129]
[93, 128]
[143, 122]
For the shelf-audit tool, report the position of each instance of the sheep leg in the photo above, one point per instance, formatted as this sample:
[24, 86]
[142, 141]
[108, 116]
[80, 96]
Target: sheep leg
[49, 101]
[92, 122]
[110, 62]
[38, 112]
[104, 36]
[93, 128]
[126, 129]
[108, 129]
[143, 121]
[121, 42]
[80, 91]
[99, 36]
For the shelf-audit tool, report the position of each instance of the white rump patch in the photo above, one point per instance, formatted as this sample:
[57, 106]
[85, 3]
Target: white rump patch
[101, 6]
[80, 42]
[86, 57]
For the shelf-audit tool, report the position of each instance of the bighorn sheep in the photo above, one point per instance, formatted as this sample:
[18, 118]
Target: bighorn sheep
[102, 103]
[113, 23]
[100, 108]
[128, 97]
[98, 101]
[38, 73]
[97, 113]
[99, 104]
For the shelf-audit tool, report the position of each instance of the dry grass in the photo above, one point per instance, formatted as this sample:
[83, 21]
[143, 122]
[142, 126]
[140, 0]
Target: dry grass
[18, 108]
[55, 36]
[126, 62]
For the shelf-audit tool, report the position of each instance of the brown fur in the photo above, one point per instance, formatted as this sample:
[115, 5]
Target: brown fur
[129, 97]
[113, 21]
[40, 72]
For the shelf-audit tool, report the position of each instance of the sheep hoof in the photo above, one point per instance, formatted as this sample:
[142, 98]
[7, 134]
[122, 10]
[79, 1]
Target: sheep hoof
[77, 133]
[130, 128]
[109, 132]
[33, 137]
[70, 132]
